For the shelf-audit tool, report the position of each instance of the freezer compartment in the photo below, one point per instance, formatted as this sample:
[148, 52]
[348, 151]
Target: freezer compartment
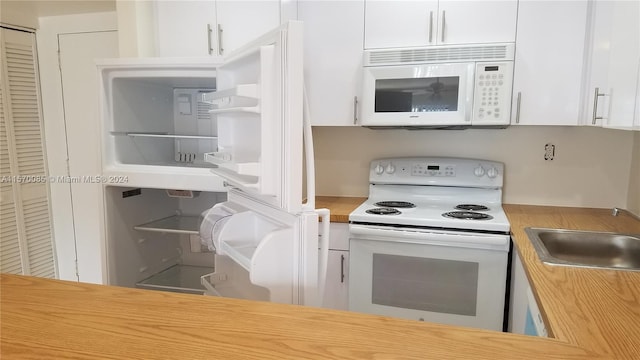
[152, 239]
[153, 114]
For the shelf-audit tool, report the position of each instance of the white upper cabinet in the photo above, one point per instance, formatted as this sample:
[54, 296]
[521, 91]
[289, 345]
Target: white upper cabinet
[214, 27]
[239, 22]
[400, 23]
[424, 23]
[549, 62]
[612, 97]
[333, 37]
[185, 28]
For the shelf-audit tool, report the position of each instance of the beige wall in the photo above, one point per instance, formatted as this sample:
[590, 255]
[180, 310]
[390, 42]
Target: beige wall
[634, 179]
[25, 13]
[136, 27]
[591, 167]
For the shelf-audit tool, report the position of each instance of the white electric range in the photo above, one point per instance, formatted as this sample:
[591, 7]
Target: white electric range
[431, 242]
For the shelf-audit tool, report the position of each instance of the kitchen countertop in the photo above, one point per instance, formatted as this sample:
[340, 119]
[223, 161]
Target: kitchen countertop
[53, 319]
[595, 309]
[340, 207]
[591, 314]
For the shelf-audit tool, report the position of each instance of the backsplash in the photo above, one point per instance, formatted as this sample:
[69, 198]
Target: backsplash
[591, 166]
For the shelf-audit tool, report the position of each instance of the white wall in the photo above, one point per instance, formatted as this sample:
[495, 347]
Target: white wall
[634, 179]
[591, 167]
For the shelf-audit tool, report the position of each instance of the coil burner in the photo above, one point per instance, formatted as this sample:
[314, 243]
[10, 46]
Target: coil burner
[383, 211]
[472, 207]
[467, 215]
[395, 204]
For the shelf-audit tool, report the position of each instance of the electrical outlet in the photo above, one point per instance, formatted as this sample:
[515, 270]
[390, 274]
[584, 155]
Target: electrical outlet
[549, 151]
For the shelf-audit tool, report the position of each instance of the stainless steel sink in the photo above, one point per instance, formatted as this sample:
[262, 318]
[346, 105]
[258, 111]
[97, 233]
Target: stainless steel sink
[586, 248]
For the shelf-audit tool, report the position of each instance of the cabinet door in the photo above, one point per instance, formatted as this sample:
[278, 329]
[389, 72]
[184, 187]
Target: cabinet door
[549, 62]
[336, 294]
[239, 22]
[468, 22]
[624, 59]
[400, 23]
[333, 37]
[182, 28]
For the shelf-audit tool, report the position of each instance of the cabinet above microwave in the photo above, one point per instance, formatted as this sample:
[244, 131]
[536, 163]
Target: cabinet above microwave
[438, 87]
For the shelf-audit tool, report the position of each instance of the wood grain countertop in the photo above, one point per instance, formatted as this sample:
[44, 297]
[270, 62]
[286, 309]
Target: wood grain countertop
[595, 309]
[340, 207]
[592, 314]
[53, 319]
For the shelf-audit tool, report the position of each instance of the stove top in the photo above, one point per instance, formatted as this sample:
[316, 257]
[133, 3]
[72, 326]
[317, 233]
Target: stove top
[448, 193]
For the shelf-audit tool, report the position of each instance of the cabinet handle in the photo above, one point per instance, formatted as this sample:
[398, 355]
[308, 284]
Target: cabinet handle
[342, 268]
[430, 26]
[220, 48]
[443, 22]
[209, 31]
[518, 107]
[355, 110]
[595, 116]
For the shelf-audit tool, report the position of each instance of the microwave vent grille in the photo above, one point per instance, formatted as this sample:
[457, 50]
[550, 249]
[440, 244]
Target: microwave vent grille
[439, 55]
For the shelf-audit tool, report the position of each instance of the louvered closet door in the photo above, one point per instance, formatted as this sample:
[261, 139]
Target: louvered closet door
[27, 246]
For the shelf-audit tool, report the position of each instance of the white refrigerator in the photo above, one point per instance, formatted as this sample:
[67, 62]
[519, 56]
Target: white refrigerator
[225, 141]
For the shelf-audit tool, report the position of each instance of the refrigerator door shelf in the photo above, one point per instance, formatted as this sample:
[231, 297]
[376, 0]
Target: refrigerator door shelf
[230, 280]
[223, 160]
[253, 241]
[258, 109]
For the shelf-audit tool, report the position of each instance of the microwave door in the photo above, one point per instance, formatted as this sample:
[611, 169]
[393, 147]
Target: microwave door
[418, 95]
[258, 109]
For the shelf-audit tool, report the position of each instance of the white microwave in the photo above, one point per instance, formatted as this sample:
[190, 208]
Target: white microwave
[438, 87]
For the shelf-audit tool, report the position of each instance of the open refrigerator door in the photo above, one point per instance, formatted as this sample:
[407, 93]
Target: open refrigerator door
[267, 249]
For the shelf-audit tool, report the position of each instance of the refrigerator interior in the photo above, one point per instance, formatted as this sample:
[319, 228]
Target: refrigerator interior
[152, 239]
[153, 243]
[161, 121]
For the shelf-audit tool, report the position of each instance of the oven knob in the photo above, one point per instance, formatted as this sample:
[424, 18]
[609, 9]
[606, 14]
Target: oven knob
[379, 169]
[479, 171]
[493, 172]
[390, 169]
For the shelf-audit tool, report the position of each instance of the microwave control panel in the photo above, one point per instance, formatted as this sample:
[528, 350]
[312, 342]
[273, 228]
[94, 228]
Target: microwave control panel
[492, 93]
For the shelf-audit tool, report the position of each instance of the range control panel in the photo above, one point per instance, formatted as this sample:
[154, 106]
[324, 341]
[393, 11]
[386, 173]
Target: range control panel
[426, 169]
[437, 171]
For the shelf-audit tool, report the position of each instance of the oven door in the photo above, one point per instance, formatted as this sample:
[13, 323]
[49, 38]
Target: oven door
[418, 95]
[443, 277]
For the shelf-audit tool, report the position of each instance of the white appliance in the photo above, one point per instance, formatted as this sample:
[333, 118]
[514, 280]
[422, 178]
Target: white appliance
[431, 242]
[192, 125]
[438, 87]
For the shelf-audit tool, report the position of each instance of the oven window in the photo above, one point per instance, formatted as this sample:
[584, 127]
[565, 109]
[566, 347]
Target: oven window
[435, 285]
[417, 94]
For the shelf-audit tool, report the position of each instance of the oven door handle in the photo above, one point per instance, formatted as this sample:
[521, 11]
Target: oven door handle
[476, 241]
